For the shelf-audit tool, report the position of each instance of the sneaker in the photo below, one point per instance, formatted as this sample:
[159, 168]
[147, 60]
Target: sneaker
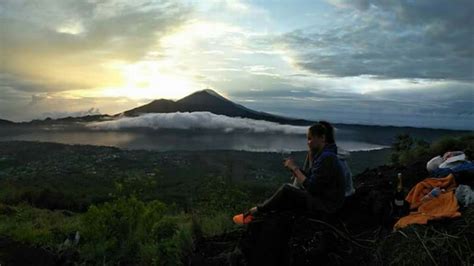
[243, 218]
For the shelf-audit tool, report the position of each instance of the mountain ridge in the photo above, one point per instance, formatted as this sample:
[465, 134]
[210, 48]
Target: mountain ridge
[210, 101]
[6, 122]
[190, 103]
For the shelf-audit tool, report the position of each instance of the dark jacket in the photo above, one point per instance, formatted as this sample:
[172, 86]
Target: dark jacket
[325, 180]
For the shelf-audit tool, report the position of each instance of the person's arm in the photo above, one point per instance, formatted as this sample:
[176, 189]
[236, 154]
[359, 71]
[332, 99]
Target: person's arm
[297, 172]
[320, 176]
[299, 175]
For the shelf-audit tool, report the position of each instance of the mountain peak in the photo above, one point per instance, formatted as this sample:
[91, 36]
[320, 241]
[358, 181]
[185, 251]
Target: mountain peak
[161, 100]
[211, 92]
[206, 92]
[209, 101]
[206, 96]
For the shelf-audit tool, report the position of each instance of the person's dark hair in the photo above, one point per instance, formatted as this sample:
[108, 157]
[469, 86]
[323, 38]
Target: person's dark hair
[323, 128]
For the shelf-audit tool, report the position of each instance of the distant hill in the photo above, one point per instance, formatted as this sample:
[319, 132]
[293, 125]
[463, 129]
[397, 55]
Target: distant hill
[71, 119]
[6, 122]
[210, 101]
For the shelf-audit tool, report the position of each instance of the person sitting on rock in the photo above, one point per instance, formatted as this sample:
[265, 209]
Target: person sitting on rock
[320, 190]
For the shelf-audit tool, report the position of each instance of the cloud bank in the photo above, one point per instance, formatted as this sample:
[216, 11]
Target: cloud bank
[429, 39]
[197, 120]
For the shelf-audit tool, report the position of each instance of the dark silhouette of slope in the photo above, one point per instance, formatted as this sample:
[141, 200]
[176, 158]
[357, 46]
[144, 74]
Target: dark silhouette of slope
[6, 122]
[210, 101]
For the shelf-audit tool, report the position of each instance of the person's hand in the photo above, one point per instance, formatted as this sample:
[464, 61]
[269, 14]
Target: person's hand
[310, 155]
[290, 164]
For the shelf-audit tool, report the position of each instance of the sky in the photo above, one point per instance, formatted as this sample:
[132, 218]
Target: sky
[382, 62]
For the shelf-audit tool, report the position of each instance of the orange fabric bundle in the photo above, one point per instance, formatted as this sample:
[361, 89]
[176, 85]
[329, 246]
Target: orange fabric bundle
[443, 206]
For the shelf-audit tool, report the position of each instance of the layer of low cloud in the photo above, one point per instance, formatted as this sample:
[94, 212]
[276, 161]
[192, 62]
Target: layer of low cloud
[197, 120]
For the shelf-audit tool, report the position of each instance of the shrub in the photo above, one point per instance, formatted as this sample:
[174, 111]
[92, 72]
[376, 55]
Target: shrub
[407, 149]
[37, 227]
[130, 231]
[463, 143]
[216, 202]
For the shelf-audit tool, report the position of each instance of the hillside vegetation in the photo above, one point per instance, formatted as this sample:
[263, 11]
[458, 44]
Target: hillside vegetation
[98, 205]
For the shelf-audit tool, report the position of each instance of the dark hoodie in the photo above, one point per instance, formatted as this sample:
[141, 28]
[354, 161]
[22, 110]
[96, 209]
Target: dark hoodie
[325, 180]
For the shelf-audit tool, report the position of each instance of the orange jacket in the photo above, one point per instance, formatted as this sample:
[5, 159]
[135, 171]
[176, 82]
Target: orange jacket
[443, 206]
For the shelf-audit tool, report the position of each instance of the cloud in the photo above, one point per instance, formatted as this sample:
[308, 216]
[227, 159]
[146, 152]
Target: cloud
[21, 106]
[35, 99]
[351, 61]
[63, 45]
[390, 39]
[198, 120]
[441, 104]
[31, 84]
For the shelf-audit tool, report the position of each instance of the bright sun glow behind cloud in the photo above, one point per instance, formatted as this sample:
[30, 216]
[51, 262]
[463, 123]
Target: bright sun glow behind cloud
[162, 75]
[149, 79]
[71, 28]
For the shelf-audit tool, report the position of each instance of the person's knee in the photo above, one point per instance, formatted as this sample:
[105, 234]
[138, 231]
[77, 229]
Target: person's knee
[285, 188]
[288, 190]
[288, 186]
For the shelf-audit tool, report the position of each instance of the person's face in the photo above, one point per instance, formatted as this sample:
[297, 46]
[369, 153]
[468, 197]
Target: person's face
[315, 143]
